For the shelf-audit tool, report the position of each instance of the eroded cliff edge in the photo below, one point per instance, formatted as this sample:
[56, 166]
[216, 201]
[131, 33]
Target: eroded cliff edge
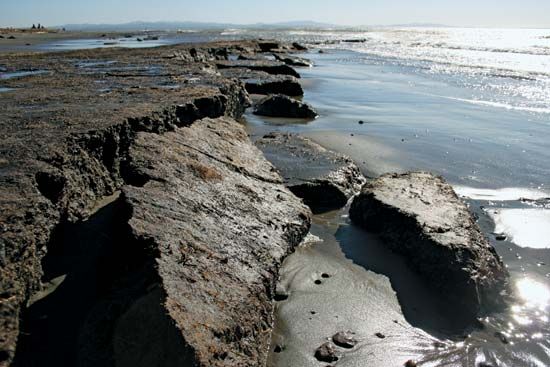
[200, 229]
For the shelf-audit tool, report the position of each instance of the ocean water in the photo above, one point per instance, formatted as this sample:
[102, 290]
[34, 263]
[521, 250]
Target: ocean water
[472, 105]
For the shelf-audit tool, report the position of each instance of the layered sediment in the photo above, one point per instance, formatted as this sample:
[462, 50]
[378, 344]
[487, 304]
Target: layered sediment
[419, 215]
[201, 228]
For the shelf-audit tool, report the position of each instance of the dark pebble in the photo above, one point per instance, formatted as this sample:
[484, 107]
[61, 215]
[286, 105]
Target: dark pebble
[500, 237]
[344, 339]
[325, 275]
[380, 335]
[484, 364]
[361, 122]
[438, 344]
[278, 349]
[312, 312]
[326, 353]
[410, 363]
[318, 281]
[280, 297]
[502, 337]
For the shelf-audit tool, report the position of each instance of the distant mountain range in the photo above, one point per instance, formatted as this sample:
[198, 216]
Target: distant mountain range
[139, 25]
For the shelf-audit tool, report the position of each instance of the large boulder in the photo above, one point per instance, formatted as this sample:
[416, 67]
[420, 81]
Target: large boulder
[279, 105]
[259, 82]
[221, 222]
[322, 178]
[419, 215]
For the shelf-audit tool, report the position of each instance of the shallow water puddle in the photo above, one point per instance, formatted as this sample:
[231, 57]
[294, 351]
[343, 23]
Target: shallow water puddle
[91, 64]
[524, 227]
[22, 73]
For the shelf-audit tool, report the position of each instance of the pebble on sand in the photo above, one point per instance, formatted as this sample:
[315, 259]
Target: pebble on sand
[326, 353]
[344, 339]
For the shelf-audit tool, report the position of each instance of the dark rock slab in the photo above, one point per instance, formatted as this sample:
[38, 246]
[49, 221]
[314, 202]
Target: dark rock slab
[270, 67]
[279, 105]
[269, 45]
[419, 215]
[324, 179]
[355, 40]
[293, 61]
[259, 82]
[221, 222]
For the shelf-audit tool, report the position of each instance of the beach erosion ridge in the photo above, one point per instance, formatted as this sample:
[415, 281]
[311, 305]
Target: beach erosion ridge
[142, 226]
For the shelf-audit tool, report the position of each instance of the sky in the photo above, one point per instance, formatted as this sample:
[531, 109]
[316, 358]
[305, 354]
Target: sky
[488, 13]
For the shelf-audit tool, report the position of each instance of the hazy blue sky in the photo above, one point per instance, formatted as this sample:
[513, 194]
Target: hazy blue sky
[492, 13]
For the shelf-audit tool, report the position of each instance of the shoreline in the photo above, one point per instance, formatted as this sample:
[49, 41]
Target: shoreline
[130, 144]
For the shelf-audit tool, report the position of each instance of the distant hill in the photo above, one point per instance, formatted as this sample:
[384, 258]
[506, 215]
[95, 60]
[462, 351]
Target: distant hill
[139, 25]
[420, 25]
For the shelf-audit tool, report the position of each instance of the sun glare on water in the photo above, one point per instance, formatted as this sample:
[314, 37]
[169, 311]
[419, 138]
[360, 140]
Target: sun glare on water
[535, 294]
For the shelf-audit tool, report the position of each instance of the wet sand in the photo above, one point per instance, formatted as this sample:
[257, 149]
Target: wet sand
[73, 40]
[328, 293]
[28, 41]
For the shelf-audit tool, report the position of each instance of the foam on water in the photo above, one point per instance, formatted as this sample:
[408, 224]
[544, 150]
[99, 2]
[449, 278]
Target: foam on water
[504, 194]
[524, 227]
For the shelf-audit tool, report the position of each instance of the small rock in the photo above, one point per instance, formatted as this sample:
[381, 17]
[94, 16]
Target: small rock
[380, 335]
[299, 47]
[278, 349]
[279, 105]
[344, 339]
[410, 363]
[500, 237]
[361, 122]
[325, 275]
[11, 37]
[280, 296]
[501, 337]
[326, 353]
[318, 281]
[484, 364]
